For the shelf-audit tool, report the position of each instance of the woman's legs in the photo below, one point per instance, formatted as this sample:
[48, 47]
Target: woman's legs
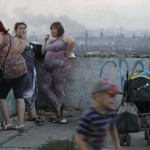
[59, 77]
[5, 86]
[20, 110]
[47, 87]
[32, 113]
[18, 94]
[17, 85]
[53, 87]
[30, 94]
[5, 110]
[32, 116]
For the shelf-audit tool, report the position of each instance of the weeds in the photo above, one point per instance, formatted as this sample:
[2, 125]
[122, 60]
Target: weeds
[58, 145]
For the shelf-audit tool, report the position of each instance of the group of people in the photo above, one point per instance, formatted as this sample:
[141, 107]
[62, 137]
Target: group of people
[17, 59]
[20, 75]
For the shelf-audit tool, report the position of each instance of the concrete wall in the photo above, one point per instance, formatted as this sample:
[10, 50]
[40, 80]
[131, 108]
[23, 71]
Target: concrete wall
[86, 70]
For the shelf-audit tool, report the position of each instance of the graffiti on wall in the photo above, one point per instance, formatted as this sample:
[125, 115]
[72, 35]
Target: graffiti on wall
[122, 65]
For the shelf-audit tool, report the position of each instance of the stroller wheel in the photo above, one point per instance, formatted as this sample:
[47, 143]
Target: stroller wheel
[146, 133]
[121, 138]
[128, 140]
[148, 140]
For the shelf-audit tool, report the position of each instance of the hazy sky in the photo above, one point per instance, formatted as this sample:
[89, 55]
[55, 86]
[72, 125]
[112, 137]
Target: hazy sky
[89, 13]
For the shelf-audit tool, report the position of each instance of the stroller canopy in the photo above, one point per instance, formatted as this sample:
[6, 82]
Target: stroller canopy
[137, 87]
[139, 74]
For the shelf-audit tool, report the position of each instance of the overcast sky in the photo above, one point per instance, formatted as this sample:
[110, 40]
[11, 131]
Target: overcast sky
[91, 14]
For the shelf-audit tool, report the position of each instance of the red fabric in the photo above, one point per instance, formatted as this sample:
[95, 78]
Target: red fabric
[3, 29]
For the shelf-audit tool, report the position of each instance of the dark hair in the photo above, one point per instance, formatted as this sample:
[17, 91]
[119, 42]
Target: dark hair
[17, 24]
[59, 27]
[3, 29]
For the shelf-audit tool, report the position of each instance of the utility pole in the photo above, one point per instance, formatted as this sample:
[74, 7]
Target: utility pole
[86, 39]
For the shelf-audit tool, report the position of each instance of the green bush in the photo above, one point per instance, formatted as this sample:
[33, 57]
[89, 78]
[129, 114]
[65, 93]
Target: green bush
[58, 145]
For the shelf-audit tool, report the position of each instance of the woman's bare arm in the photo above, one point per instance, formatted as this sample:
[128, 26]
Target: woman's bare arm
[71, 43]
[21, 44]
[43, 46]
[1, 38]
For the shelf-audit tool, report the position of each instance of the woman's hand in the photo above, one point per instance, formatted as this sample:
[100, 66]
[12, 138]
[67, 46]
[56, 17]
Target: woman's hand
[46, 38]
[71, 56]
[44, 44]
[21, 42]
[23, 36]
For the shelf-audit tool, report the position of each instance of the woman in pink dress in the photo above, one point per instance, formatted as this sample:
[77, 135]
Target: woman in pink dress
[57, 65]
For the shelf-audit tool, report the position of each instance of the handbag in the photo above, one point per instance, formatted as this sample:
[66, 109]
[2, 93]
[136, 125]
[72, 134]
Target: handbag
[3, 67]
[127, 120]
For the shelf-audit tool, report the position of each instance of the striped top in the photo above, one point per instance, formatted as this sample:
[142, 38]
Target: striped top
[94, 126]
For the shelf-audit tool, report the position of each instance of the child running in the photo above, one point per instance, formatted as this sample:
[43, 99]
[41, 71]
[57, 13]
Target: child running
[99, 119]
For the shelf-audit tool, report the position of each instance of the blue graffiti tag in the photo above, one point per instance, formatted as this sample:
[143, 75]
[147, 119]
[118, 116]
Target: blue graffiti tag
[122, 76]
[105, 64]
[138, 64]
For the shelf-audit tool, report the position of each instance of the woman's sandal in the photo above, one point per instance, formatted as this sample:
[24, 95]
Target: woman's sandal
[57, 116]
[37, 119]
[8, 127]
[60, 121]
[57, 112]
[20, 128]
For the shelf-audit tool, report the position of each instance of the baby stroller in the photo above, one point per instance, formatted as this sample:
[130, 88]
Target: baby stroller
[133, 113]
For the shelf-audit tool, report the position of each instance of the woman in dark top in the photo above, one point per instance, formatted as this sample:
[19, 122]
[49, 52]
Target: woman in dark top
[30, 90]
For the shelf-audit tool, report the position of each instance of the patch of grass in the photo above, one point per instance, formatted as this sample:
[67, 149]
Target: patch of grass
[58, 145]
